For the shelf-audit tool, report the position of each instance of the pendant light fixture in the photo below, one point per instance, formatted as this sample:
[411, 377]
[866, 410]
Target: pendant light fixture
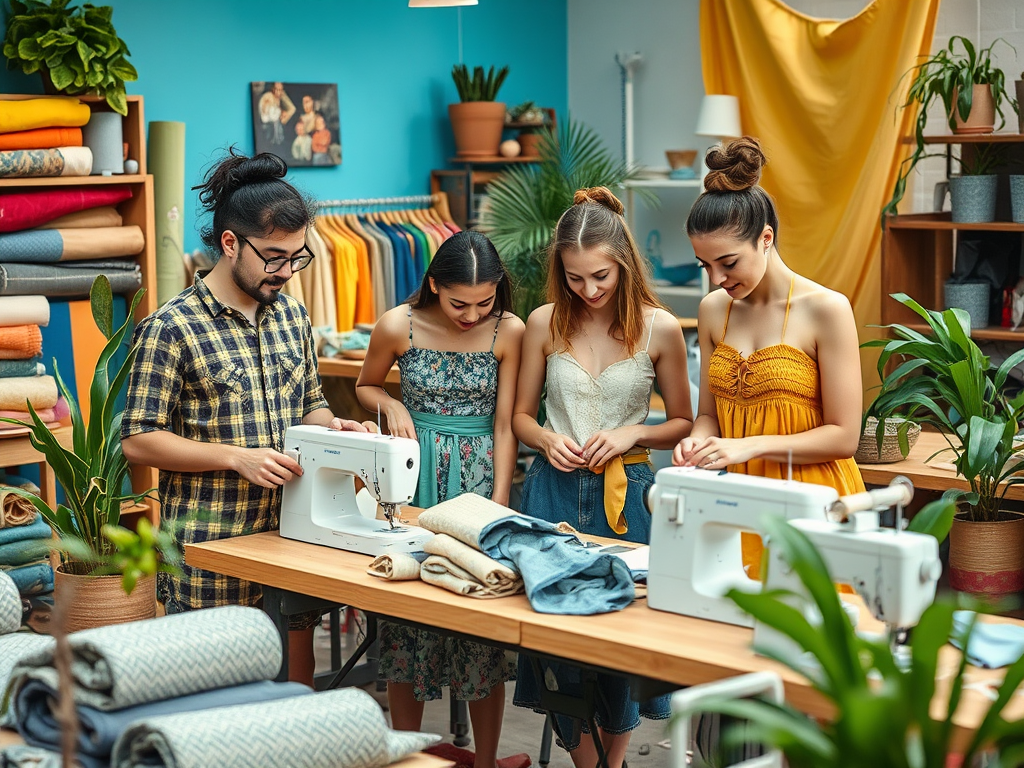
[440, 3]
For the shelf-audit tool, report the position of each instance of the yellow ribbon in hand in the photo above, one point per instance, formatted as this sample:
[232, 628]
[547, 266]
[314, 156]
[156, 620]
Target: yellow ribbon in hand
[615, 486]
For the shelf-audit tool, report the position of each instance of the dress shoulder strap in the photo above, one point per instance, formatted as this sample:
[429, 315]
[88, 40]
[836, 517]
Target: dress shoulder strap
[725, 326]
[650, 333]
[494, 338]
[410, 325]
[789, 298]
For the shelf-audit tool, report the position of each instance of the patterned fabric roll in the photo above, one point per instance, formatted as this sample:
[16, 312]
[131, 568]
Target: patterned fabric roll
[175, 655]
[10, 605]
[62, 161]
[335, 729]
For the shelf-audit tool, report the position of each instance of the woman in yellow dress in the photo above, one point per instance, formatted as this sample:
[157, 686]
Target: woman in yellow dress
[780, 381]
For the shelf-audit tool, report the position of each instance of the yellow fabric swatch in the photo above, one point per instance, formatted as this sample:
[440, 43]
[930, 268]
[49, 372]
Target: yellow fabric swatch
[615, 486]
[51, 112]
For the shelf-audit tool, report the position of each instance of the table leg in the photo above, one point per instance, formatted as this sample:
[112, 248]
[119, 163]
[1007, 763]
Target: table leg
[272, 606]
[47, 485]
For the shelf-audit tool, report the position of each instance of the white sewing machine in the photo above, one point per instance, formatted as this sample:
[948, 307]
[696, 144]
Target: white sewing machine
[698, 517]
[322, 506]
[895, 572]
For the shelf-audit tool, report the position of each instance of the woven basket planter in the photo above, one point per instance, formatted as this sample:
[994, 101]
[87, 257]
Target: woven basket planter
[97, 601]
[987, 558]
[867, 450]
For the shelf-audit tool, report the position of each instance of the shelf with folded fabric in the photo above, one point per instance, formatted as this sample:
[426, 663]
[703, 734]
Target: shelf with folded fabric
[16, 451]
[135, 211]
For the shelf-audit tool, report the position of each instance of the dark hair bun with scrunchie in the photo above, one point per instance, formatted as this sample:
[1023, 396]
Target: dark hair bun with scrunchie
[599, 195]
[237, 170]
[735, 166]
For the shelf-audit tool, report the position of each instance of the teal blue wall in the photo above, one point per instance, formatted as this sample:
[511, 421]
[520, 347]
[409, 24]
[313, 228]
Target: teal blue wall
[392, 65]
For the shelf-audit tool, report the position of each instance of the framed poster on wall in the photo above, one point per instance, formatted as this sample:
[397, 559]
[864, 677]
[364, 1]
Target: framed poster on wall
[298, 122]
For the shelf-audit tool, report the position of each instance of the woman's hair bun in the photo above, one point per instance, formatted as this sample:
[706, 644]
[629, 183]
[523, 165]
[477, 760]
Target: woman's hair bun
[735, 166]
[599, 195]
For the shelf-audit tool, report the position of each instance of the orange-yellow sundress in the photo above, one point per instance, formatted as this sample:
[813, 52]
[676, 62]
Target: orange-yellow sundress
[775, 390]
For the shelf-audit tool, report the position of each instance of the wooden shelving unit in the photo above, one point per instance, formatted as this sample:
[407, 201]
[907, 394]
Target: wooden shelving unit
[137, 210]
[918, 250]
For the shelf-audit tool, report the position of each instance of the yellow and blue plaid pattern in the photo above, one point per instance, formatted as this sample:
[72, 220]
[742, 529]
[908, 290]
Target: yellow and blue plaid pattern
[205, 373]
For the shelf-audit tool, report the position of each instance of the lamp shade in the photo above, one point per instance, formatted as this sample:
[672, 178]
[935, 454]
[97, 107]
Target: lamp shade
[719, 117]
[440, 3]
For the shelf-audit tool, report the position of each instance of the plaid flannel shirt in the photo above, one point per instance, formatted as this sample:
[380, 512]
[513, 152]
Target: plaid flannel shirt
[205, 373]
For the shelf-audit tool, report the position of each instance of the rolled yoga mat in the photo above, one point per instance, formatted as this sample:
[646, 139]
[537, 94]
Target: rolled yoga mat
[24, 310]
[41, 391]
[104, 216]
[52, 111]
[128, 664]
[104, 135]
[23, 210]
[167, 164]
[99, 730]
[71, 279]
[335, 729]
[42, 246]
[25, 340]
[29, 163]
[41, 138]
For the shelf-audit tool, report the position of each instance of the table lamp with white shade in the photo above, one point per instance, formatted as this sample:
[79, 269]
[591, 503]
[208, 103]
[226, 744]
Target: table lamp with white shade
[719, 118]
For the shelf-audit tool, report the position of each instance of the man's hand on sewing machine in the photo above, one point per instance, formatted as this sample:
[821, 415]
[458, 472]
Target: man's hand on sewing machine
[265, 466]
[348, 425]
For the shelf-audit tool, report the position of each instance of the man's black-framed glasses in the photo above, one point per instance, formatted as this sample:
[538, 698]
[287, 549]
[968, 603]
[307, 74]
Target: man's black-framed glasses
[299, 261]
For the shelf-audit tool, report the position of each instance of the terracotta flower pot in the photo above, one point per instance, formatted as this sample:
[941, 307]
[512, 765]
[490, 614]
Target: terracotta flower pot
[987, 558]
[477, 126]
[530, 142]
[98, 601]
[983, 112]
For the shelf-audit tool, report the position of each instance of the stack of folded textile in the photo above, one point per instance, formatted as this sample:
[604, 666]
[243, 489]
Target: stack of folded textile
[193, 689]
[23, 377]
[24, 541]
[16, 641]
[43, 137]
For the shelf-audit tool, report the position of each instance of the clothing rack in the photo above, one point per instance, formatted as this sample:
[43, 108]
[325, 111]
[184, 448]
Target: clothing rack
[380, 201]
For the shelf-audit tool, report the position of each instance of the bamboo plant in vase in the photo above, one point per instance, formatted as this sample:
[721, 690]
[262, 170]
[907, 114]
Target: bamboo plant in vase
[92, 473]
[942, 379]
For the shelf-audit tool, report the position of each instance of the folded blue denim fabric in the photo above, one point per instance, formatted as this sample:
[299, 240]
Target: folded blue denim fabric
[559, 573]
[990, 645]
[35, 530]
[10, 605]
[142, 661]
[99, 729]
[335, 729]
[32, 579]
[25, 551]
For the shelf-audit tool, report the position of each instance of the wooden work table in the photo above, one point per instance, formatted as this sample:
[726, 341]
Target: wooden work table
[934, 475]
[637, 641]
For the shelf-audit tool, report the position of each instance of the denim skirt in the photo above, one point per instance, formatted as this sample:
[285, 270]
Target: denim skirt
[577, 498]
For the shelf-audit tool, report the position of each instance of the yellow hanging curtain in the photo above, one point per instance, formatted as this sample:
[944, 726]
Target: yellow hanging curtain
[823, 98]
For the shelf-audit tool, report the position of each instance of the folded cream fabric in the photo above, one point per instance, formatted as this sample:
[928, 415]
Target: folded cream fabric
[24, 310]
[400, 566]
[442, 572]
[41, 391]
[490, 573]
[463, 517]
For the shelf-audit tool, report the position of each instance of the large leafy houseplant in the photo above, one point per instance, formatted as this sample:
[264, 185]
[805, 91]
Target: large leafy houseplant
[93, 470]
[526, 201]
[885, 714]
[77, 47]
[948, 76]
[944, 380]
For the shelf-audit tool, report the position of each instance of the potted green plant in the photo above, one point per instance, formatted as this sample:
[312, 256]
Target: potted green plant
[887, 715]
[527, 200]
[75, 48]
[972, 90]
[530, 120]
[92, 473]
[478, 118]
[942, 379]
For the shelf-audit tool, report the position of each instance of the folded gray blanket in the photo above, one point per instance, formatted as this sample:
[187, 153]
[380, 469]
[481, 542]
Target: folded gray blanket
[66, 280]
[496, 577]
[336, 729]
[10, 605]
[128, 664]
[99, 730]
[13, 648]
[22, 756]
[463, 517]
